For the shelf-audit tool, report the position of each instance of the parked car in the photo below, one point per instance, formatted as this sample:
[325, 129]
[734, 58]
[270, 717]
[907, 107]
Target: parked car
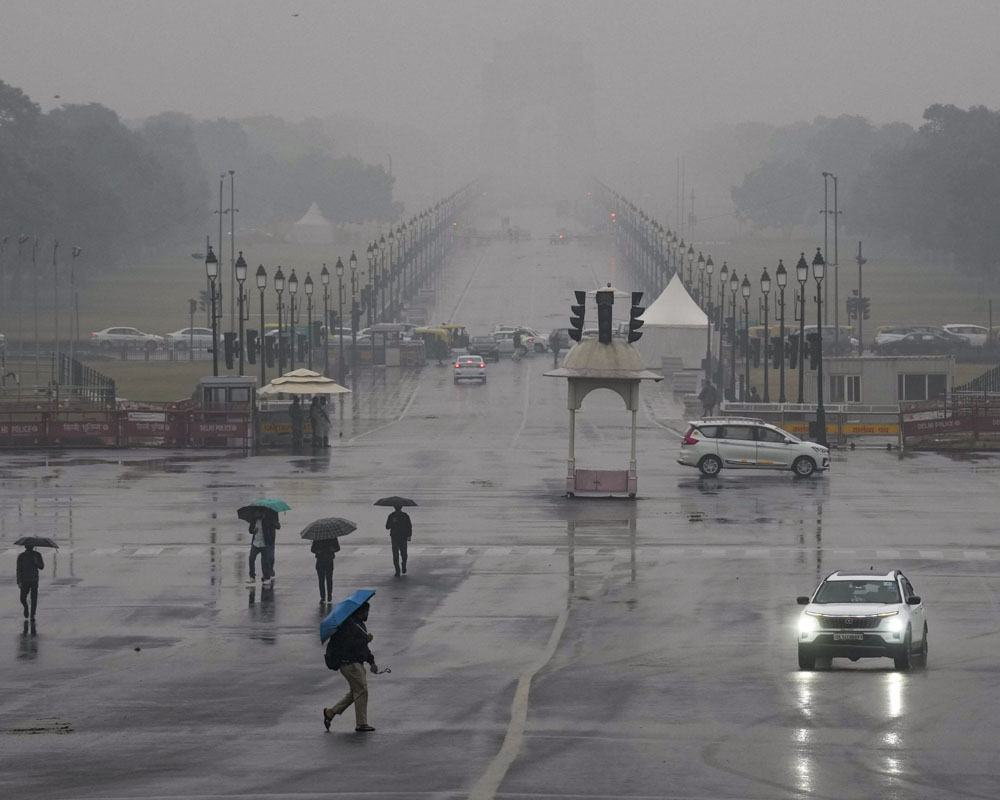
[470, 368]
[196, 338]
[845, 344]
[111, 338]
[748, 443]
[920, 344]
[893, 333]
[484, 347]
[560, 337]
[863, 615]
[975, 335]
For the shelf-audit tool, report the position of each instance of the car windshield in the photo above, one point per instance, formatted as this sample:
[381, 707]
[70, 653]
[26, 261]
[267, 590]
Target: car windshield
[859, 591]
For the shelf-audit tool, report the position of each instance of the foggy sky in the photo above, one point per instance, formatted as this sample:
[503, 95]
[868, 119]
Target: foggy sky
[663, 68]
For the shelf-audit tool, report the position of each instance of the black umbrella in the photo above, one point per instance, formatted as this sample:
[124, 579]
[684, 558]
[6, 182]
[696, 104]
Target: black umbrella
[328, 528]
[37, 541]
[394, 501]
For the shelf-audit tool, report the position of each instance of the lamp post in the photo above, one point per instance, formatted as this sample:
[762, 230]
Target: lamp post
[707, 305]
[212, 270]
[745, 291]
[308, 286]
[802, 275]
[240, 268]
[734, 287]
[339, 269]
[262, 355]
[293, 288]
[721, 324]
[690, 265]
[75, 252]
[370, 286]
[765, 289]
[381, 277]
[819, 271]
[781, 277]
[324, 278]
[701, 280]
[392, 274]
[354, 313]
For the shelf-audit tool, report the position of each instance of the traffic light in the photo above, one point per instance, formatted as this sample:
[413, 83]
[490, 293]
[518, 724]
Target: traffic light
[755, 351]
[229, 339]
[576, 321]
[270, 351]
[204, 299]
[813, 350]
[793, 352]
[316, 333]
[866, 306]
[251, 337]
[777, 351]
[605, 300]
[852, 307]
[303, 344]
[634, 323]
[333, 321]
[192, 306]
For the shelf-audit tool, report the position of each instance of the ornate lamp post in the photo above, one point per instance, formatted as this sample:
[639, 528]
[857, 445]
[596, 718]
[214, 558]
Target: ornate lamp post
[372, 293]
[339, 269]
[765, 289]
[279, 287]
[701, 280]
[355, 314]
[819, 272]
[392, 275]
[721, 324]
[262, 285]
[781, 277]
[679, 259]
[802, 275]
[293, 288]
[324, 278]
[380, 278]
[690, 254]
[734, 287]
[212, 270]
[707, 305]
[745, 291]
[308, 286]
[240, 268]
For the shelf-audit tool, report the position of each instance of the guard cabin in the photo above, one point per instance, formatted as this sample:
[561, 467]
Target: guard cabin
[223, 411]
[603, 362]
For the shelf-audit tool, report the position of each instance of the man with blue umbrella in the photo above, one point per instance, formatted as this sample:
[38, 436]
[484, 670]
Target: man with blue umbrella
[347, 651]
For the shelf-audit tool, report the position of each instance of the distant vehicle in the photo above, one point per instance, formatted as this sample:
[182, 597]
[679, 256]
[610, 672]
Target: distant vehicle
[975, 335]
[531, 339]
[832, 345]
[919, 344]
[893, 333]
[484, 347]
[459, 335]
[196, 338]
[470, 368]
[748, 443]
[505, 340]
[863, 615]
[560, 337]
[111, 338]
[558, 238]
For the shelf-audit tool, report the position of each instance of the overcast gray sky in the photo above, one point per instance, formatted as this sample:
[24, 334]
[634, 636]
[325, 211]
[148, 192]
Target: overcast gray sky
[673, 65]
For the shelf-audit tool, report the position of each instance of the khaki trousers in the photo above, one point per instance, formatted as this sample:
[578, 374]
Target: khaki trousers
[357, 693]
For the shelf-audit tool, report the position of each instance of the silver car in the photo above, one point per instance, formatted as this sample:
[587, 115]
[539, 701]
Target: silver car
[470, 368]
[111, 338]
[195, 338]
[748, 443]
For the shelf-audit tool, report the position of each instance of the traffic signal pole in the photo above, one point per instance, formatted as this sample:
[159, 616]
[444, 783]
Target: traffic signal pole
[861, 342]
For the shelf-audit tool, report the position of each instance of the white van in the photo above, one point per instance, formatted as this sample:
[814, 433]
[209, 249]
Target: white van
[975, 335]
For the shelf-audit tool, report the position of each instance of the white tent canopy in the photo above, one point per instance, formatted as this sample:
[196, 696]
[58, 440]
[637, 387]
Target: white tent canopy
[313, 228]
[675, 328]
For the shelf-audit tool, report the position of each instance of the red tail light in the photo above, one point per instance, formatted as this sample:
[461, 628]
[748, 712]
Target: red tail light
[458, 366]
[688, 438]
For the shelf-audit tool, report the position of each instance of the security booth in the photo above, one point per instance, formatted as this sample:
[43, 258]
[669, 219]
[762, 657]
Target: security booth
[222, 413]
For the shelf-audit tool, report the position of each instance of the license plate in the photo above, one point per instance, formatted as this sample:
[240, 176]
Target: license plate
[848, 637]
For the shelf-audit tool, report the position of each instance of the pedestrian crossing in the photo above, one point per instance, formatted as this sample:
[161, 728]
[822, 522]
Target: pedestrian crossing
[660, 552]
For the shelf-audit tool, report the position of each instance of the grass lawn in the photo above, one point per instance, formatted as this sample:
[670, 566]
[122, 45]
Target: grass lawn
[153, 381]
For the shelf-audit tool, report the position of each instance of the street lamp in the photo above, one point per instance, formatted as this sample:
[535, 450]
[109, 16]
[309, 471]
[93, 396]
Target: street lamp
[370, 289]
[381, 277]
[745, 291]
[240, 268]
[721, 324]
[324, 278]
[75, 252]
[212, 270]
[339, 269]
[262, 355]
[802, 275]
[308, 286]
[279, 287]
[293, 288]
[707, 305]
[354, 314]
[734, 287]
[781, 276]
[701, 279]
[765, 289]
[392, 275]
[690, 264]
[819, 271]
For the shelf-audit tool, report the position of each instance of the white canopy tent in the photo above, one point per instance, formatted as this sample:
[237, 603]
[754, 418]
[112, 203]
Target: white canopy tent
[313, 228]
[675, 328]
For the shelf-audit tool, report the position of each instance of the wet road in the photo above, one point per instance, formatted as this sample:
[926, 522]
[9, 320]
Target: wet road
[539, 646]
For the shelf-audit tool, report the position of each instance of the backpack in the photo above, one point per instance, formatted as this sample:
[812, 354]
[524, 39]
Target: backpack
[334, 655]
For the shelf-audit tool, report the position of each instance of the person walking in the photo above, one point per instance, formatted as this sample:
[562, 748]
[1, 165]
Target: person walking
[295, 414]
[325, 550]
[709, 396]
[28, 565]
[348, 649]
[400, 532]
[258, 547]
[320, 422]
[270, 525]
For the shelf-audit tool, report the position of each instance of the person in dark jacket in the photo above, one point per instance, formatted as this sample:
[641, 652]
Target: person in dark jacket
[28, 564]
[400, 532]
[324, 551]
[350, 641]
[270, 524]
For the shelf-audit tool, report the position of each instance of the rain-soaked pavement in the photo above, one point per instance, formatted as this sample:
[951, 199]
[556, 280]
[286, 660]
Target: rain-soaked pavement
[539, 646]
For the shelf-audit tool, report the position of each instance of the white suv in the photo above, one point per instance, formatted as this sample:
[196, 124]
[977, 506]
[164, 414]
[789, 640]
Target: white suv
[748, 443]
[863, 615]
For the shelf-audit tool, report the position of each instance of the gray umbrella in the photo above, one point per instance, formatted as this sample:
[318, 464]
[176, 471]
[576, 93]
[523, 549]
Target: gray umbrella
[328, 528]
[37, 541]
[394, 500]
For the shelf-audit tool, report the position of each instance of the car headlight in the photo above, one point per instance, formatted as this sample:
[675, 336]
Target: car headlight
[822, 450]
[807, 624]
[894, 624]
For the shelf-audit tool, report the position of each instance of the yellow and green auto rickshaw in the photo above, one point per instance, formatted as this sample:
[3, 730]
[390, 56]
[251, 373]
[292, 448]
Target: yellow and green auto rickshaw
[458, 336]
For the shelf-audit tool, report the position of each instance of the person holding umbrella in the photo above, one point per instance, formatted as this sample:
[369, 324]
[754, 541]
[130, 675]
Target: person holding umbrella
[325, 551]
[29, 563]
[348, 652]
[400, 528]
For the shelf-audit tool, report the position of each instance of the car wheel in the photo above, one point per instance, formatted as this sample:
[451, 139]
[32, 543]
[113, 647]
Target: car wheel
[105, 345]
[539, 348]
[902, 657]
[807, 658]
[803, 467]
[710, 466]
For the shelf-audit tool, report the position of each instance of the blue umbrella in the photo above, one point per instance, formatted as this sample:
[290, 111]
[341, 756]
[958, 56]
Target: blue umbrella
[274, 503]
[342, 611]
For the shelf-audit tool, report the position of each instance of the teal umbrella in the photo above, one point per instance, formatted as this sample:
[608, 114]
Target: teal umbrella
[274, 503]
